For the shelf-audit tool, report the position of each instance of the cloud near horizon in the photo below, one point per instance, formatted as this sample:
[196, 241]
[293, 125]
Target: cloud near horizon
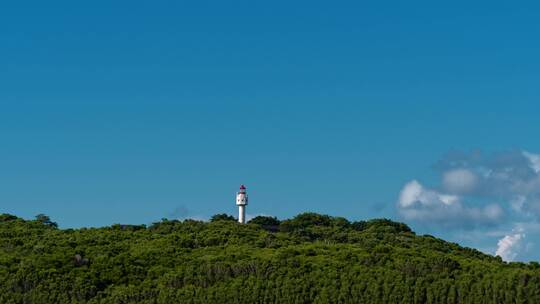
[479, 191]
[509, 246]
[418, 203]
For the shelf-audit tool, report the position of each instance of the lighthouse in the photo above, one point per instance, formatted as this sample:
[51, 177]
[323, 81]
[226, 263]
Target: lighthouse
[241, 202]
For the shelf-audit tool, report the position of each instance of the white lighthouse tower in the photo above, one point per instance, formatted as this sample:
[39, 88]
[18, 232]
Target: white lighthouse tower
[241, 202]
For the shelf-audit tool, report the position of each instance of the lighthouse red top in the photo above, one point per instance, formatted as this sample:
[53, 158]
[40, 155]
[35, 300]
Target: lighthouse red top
[241, 197]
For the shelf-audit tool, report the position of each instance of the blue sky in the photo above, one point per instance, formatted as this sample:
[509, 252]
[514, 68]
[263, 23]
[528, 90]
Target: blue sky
[135, 111]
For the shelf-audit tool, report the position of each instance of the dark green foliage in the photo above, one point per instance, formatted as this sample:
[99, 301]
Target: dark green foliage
[387, 225]
[45, 220]
[269, 223]
[222, 217]
[311, 258]
[265, 221]
[307, 219]
[7, 217]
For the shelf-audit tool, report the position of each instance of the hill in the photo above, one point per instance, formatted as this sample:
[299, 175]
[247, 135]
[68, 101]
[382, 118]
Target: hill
[310, 258]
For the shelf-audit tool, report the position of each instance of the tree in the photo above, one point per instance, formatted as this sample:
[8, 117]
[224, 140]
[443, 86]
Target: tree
[7, 217]
[326, 260]
[270, 223]
[222, 217]
[46, 220]
[387, 224]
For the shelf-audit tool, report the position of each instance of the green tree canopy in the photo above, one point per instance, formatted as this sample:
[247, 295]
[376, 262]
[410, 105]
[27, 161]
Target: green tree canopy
[311, 258]
[222, 217]
[45, 220]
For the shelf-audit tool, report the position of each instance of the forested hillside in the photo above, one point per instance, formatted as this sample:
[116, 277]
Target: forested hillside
[308, 259]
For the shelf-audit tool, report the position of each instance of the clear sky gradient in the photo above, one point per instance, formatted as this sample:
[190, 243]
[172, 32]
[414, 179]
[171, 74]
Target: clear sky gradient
[132, 111]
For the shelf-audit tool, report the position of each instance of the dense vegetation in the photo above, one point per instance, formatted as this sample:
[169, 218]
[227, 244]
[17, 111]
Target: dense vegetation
[308, 259]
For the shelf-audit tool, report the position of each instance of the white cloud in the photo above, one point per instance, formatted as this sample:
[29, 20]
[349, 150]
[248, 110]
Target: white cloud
[410, 193]
[448, 199]
[422, 204]
[459, 181]
[462, 202]
[470, 182]
[512, 245]
[509, 246]
[534, 160]
[413, 192]
[512, 177]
